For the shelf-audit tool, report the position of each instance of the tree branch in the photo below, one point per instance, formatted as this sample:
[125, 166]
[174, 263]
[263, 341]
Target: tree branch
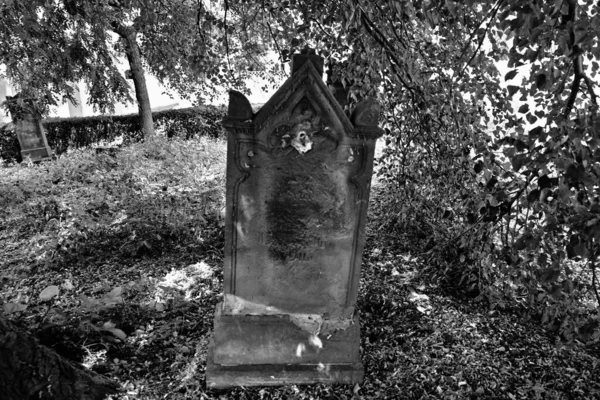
[376, 34]
[492, 15]
[320, 26]
[227, 39]
[393, 28]
[577, 61]
[273, 36]
[578, 71]
[473, 33]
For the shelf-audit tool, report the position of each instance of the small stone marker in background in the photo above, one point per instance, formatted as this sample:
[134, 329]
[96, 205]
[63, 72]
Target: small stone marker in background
[30, 133]
[298, 180]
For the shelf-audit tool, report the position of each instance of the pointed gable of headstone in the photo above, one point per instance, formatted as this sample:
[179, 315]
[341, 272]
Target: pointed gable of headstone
[305, 90]
[298, 179]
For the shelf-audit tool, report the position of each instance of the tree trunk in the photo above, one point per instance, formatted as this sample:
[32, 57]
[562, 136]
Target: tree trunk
[29, 370]
[132, 50]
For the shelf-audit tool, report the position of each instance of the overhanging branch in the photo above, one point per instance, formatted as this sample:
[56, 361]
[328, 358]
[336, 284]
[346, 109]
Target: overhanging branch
[492, 15]
[380, 38]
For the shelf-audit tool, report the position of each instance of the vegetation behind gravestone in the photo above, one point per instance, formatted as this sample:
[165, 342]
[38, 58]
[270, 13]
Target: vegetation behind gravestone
[145, 198]
[74, 133]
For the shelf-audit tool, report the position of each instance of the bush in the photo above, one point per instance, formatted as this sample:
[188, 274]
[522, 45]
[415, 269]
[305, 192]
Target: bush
[74, 133]
[9, 145]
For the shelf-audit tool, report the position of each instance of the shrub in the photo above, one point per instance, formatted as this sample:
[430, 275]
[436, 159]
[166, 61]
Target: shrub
[74, 133]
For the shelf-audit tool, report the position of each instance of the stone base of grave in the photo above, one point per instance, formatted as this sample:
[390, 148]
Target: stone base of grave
[37, 154]
[270, 350]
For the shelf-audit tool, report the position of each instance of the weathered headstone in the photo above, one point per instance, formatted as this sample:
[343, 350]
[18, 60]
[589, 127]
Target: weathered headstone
[30, 133]
[298, 180]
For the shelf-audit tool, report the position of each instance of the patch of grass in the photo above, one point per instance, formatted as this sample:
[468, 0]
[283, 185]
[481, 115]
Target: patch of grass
[148, 196]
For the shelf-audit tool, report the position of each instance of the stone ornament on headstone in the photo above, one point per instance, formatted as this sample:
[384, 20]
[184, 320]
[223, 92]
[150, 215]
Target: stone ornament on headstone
[298, 180]
[29, 130]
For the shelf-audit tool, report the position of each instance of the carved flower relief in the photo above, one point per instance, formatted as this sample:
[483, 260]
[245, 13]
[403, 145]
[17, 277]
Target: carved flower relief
[302, 136]
[303, 131]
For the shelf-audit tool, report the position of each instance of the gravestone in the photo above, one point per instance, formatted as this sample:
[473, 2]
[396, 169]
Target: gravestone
[298, 180]
[29, 130]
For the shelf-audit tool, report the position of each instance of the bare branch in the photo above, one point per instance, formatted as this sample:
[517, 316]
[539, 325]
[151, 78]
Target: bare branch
[227, 39]
[320, 27]
[273, 37]
[577, 67]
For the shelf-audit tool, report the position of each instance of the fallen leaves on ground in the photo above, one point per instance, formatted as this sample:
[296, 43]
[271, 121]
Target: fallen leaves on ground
[145, 321]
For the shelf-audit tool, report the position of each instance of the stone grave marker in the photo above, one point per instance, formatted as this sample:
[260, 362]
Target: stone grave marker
[30, 133]
[298, 180]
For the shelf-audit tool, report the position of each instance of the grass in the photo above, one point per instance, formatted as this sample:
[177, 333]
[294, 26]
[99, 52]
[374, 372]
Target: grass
[134, 244]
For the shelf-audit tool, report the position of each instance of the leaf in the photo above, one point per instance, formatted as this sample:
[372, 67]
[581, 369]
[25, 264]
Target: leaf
[521, 145]
[580, 250]
[555, 291]
[510, 75]
[540, 80]
[117, 332]
[108, 325]
[88, 302]
[549, 275]
[533, 196]
[524, 109]
[49, 293]
[113, 297]
[513, 89]
[68, 285]
[518, 161]
[117, 291]
[574, 173]
[522, 242]
[413, 297]
[535, 132]
[544, 182]
[10, 308]
[422, 310]
[567, 286]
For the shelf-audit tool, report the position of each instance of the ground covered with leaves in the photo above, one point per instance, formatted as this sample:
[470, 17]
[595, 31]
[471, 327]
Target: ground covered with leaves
[115, 261]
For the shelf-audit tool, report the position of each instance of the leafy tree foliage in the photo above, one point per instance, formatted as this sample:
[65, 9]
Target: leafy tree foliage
[49, 44]
[494, 173]
[491, 113]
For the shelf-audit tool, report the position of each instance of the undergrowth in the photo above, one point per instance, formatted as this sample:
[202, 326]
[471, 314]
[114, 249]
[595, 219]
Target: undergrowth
[146, 196]
[128, 275]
